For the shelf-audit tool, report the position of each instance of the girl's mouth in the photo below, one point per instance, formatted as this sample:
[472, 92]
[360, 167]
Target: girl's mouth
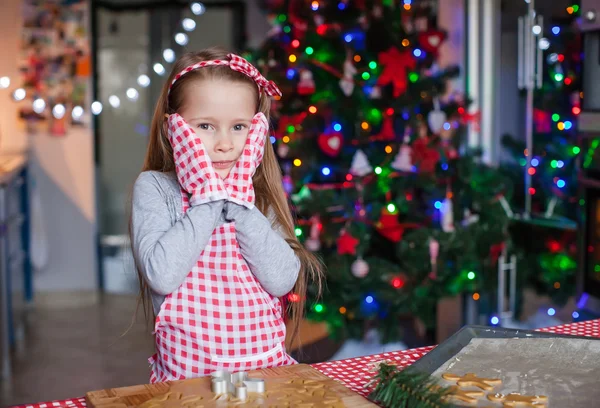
[223, 164]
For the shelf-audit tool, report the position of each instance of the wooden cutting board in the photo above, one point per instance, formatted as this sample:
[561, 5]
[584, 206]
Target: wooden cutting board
[290, 386]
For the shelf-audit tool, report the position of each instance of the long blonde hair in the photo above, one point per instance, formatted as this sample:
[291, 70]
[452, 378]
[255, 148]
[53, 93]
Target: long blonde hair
[267, 179]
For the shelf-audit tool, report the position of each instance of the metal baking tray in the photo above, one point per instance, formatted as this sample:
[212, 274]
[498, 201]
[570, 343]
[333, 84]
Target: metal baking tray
[452, 346]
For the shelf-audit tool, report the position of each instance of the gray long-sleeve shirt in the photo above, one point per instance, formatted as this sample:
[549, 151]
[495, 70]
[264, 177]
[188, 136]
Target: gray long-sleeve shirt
[167, 243]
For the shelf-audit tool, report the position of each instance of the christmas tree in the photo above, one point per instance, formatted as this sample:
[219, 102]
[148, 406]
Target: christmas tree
[546, 242]
[369, 141]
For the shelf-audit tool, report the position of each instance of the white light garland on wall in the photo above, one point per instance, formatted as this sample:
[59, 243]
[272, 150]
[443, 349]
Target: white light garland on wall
[77, 112]
[169, 55]
[58, 111]
[143, 81]
[114, 101]
[181, 39]
[19, 94]
[188, 24]
[39, 105]
[132, 94]
[159, 69]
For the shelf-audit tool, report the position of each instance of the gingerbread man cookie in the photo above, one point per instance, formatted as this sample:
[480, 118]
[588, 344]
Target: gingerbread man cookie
[455, 393]
[471, 380]
[517, 400]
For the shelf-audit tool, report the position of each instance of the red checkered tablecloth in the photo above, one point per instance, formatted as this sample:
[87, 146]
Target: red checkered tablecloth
[354, 373]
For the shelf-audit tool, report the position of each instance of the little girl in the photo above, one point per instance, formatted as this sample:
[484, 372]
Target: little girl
[212, 234]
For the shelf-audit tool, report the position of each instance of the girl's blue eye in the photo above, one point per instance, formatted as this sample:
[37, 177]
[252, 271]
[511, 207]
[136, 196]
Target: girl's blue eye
[204, 126]
[239, 127]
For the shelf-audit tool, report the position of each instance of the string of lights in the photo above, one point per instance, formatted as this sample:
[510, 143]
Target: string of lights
[40, 105]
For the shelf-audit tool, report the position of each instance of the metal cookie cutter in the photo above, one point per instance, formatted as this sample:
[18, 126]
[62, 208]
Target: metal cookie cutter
[236, 384]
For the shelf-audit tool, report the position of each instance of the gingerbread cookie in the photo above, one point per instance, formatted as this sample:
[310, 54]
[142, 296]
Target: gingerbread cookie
[517, 400]
[471, 380]
[456, 394]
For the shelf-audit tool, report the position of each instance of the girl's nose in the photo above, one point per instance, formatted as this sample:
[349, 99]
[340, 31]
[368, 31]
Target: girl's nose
[224, 143]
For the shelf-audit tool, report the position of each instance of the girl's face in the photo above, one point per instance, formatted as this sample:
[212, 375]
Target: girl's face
[220, 113]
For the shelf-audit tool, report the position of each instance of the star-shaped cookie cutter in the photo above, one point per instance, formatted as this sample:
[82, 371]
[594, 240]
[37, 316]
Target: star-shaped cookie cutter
[236, 384]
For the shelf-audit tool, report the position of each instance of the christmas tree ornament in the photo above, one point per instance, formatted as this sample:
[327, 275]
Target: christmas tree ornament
[469, 218]
[313, 243]
[375, 93]
[421, 24]
[377, 11]
[330, 143]
[447, 214]
[425, 157]
[496, 251]
[282, 150]
[306, 85]
[395, 64]
[437, 117]
[387, 132]
[448, 148]
[319, 20]
[288, 184]
[275, 29]
[542, 121]
[359, 268]
[297, 19]
[434, 251]
[403, 160]
[346, 243]
[472, 118]
[360, 165]
[363, 21]
[407, 23]
[431, 41]
[303, 194]
[288, 123]
[347, 81]
[389, 227]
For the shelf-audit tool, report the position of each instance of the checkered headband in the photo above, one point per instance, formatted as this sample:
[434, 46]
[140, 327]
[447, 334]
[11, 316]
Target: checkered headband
[239, 64]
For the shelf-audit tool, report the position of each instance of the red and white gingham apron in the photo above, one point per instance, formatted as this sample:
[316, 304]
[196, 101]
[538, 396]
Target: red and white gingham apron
[220, 318]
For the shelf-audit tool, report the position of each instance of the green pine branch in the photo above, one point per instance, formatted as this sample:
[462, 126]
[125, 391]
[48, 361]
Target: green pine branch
[407, 389]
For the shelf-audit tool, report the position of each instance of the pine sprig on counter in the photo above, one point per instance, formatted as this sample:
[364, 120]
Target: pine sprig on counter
[407, 389]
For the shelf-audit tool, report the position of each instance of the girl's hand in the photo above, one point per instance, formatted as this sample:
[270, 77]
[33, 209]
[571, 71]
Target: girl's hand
[194, 168]
[239, 181]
